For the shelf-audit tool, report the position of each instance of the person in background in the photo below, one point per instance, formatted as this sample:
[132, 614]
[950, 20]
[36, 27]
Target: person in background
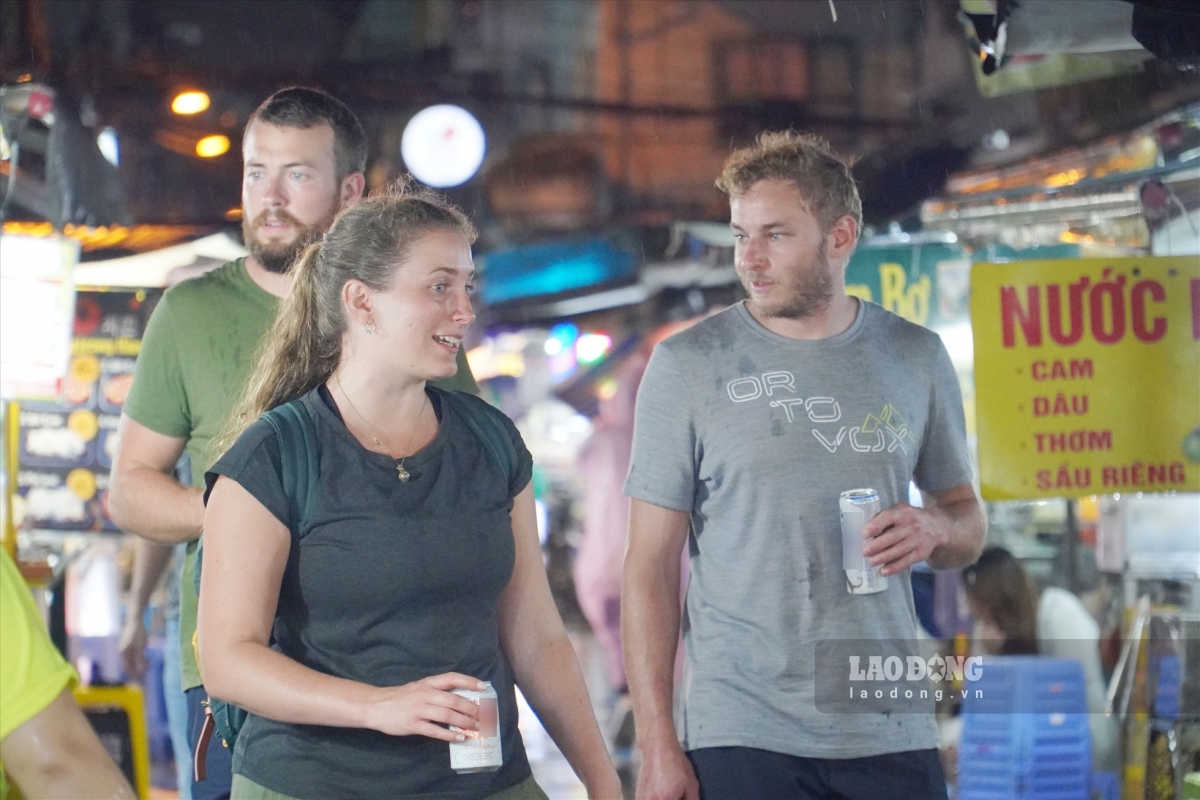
[418, 570]
[742, 446]
[304, 153]
[603, 463]
[150, 562]
[1012, 617]
[47, 746]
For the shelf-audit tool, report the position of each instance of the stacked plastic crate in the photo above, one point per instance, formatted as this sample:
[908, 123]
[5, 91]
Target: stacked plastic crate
[1025, 731]
[1162, 753]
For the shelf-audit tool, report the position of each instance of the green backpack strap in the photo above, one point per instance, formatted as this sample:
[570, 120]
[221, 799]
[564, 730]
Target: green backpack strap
[299, 457]
[487, 423]
[300, 460]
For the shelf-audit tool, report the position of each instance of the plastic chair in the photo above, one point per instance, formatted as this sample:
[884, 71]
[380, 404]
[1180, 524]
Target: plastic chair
[1025, 731]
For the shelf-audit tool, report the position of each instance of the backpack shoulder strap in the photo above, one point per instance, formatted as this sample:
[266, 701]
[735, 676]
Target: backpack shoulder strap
[488, 425]
[299, 460]
[299, 457]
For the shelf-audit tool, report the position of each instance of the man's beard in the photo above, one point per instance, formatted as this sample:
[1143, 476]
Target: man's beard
[806, 293]
[278, 257]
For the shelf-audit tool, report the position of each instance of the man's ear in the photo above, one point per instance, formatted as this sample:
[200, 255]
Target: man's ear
[352, 188]
[842, 237]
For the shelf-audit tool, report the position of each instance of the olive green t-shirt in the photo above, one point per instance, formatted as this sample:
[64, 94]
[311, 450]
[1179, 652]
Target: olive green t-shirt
[197, 353]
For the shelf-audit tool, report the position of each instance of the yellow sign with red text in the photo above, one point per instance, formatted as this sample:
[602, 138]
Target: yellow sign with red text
[1087, 376]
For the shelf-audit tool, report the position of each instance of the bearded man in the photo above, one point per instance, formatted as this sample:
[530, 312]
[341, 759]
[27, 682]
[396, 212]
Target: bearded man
[304, 153]
[748, 427]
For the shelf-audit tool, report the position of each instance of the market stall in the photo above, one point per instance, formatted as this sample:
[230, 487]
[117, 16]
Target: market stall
[60, 424]
[1086, 389]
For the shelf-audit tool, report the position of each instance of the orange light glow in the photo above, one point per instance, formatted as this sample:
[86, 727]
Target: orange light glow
[138, 238]
[212, 146]
[191, 102]
[1071, 237]
[1066, 178]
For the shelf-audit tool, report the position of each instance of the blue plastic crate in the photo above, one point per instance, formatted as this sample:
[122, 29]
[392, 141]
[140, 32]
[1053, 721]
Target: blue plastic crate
[1025, 731]
[1167, 686]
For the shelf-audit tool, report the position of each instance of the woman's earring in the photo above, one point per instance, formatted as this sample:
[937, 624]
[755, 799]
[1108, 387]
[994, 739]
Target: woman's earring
[369, 328]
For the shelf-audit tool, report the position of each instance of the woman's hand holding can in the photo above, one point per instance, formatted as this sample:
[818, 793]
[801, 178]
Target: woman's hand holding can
[425, 708]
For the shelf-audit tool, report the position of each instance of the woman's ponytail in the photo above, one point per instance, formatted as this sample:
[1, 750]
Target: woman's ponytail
[300, 351]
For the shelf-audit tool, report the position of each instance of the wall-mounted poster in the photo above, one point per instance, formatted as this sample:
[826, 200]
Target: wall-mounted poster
[65, 447]
[1087, 376]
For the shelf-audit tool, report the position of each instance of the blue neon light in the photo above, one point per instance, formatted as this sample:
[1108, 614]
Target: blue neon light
[545, 269]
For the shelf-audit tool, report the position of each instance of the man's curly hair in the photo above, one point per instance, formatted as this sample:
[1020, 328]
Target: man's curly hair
[823, 179]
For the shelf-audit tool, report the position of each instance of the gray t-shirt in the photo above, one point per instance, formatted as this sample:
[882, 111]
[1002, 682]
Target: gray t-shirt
[756, 435]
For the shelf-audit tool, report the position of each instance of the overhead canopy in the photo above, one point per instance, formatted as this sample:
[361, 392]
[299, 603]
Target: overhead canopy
[1082, 194]
[155, 268]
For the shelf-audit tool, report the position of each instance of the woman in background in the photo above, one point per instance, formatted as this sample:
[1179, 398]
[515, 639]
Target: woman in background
[1013, 618]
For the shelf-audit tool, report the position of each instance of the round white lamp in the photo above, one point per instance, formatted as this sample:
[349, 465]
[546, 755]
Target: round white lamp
[443, 146]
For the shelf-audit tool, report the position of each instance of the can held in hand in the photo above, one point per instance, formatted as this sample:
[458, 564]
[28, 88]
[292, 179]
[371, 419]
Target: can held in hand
[480, 751]
[857, 507]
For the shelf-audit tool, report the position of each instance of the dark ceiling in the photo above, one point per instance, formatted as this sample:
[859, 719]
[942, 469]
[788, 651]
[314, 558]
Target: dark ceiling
[119, 61]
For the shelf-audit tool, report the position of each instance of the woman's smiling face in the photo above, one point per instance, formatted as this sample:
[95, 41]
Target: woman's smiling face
[423, 315]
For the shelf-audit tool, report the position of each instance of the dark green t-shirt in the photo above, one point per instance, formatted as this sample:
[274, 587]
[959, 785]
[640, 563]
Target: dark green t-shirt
[197, 353]
[386, 583]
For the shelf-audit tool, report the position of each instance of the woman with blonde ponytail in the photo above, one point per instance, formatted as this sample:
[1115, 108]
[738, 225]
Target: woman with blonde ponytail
[414, 571]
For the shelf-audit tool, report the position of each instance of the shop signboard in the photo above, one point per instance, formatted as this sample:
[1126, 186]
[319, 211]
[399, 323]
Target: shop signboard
[1087, 376]
[924, 283]
[37, 294]
[65, 446]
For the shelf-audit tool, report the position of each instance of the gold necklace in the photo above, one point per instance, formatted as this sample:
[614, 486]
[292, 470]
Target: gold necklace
[401, 473]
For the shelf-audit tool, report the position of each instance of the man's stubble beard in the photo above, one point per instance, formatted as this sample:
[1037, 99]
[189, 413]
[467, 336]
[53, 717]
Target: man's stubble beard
[278, 258]
[809, 292]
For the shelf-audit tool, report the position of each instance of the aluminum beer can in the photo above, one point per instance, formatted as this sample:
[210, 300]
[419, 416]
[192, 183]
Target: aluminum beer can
[857, 506]
[480, 751]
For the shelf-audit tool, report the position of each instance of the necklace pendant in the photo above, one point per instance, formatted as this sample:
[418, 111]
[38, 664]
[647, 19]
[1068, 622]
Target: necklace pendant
[402, 473]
